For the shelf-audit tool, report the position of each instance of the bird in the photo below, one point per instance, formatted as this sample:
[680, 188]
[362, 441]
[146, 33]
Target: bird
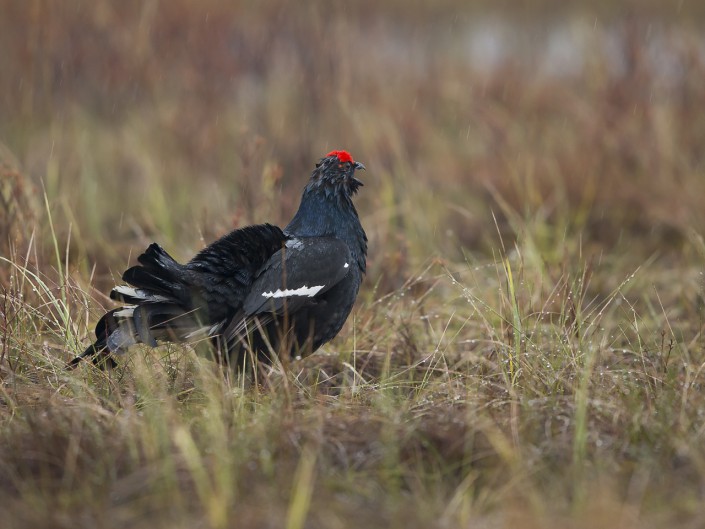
[257, 293]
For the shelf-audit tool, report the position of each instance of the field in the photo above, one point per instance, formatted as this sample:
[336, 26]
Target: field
[527, 349]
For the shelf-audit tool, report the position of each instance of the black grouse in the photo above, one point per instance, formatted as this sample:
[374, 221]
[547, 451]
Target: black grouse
[259, 290]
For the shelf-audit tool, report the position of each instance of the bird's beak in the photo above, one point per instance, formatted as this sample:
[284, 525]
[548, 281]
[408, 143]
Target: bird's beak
[357, 181]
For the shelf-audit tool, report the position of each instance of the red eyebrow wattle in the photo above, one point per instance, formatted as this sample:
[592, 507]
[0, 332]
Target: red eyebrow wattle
[343, 156]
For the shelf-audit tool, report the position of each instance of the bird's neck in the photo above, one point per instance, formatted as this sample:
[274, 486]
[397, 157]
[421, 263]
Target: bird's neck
[324, 214]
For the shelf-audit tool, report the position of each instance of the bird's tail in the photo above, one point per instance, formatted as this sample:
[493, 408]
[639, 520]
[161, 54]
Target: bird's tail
[99, 351]
[157, 306]
[157, 276]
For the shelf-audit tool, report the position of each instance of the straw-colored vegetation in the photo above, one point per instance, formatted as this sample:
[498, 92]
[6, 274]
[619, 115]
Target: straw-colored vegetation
[527, 349]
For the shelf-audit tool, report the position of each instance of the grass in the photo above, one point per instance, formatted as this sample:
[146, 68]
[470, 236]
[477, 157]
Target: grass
[527, 349]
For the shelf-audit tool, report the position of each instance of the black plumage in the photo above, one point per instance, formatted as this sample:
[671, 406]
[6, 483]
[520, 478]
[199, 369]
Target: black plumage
[257, 291]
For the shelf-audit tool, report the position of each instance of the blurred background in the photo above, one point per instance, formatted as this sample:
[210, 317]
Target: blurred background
[177, 121]
[527, 349]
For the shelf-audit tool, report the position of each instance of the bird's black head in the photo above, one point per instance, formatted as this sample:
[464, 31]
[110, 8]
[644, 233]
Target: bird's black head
[336, 173]
[327, 209]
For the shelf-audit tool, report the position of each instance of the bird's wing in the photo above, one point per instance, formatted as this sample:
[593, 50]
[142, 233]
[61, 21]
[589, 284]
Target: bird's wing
[297, 274]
